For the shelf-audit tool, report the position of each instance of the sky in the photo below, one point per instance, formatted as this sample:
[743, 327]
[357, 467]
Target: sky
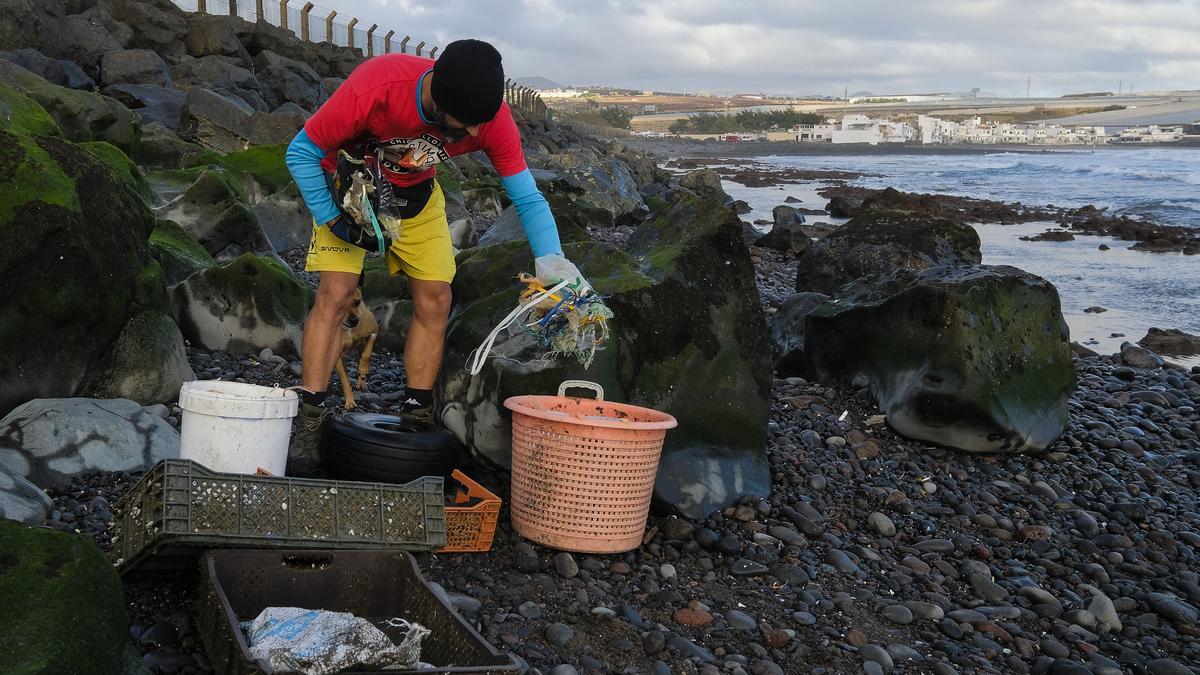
[821, 48]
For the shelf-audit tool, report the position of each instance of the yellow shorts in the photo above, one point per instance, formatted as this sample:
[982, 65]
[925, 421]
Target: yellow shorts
[423, 250]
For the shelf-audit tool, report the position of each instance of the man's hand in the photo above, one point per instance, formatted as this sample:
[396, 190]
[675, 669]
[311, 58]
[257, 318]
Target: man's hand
[553, 268]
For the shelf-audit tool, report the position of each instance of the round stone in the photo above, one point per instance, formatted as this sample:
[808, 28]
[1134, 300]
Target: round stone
[897, 614]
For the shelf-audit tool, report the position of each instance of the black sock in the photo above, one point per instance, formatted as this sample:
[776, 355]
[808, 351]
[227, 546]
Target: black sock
[312, 398]
[420, 398]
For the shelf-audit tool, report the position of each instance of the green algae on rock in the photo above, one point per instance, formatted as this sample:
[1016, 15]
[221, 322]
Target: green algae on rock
[970, 357]
[177, 252]
[64, 608]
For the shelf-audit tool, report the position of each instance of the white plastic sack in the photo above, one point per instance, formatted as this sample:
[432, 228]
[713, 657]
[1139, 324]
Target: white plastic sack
[317, 642]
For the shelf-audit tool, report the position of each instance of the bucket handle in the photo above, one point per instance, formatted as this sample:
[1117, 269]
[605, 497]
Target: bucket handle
[581, 384]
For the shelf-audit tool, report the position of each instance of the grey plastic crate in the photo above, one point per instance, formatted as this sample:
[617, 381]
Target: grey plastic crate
[180, 508]
[236, 585]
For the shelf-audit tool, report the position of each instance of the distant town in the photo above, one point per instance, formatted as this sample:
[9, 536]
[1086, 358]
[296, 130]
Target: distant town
[974, 117]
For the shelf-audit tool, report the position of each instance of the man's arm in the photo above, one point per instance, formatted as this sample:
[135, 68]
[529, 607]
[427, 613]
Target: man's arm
[534, 212]
[502, 143]
[304, 161]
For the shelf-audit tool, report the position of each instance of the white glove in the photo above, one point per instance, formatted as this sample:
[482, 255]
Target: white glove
[554, 268]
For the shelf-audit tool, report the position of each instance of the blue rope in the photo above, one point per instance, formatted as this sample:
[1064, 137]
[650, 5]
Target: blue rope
[374, 221]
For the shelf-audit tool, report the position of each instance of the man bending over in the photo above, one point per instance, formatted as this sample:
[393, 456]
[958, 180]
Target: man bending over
[404, 114]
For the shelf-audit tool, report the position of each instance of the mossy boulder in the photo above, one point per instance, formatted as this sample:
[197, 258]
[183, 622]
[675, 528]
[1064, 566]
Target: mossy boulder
[82, 115]
[688, 338]
[250, 303]
[604, 185]
[264, 164]
[21, 114]
[122, 166]
[880, 241]
[976, 357]
[64, 608]
[147, 363]
[177, 252]
[73, 244]
[213, 210]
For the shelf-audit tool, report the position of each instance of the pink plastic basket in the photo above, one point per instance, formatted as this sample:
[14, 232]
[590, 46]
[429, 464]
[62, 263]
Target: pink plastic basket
[583, 469]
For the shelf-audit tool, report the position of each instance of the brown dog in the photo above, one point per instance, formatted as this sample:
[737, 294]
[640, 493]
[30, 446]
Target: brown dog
[359, 329]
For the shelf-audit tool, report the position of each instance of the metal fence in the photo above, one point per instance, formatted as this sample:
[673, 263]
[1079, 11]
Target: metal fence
[319, 24]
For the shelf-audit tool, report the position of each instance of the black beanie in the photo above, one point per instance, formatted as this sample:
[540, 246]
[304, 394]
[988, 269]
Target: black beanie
[468, 81]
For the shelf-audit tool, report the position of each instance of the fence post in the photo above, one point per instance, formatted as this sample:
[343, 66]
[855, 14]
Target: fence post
[202, 6]
[258, 9]
[387, 42]
[371, 39]
[404, 44]
[419, 46]
[350, 33]
[433, 53]
[329, 27]
[283, 14]
[304, 11]
[233, 8]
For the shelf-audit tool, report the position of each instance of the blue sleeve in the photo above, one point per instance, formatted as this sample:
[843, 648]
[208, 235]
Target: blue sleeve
[534, 212]
[304, 161]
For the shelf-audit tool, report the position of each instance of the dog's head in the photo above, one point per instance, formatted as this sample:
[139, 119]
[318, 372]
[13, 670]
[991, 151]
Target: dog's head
[352, 319]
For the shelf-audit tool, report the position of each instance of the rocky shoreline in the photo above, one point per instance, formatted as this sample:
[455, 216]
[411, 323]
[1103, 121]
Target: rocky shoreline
[872, 549]
[848, 200]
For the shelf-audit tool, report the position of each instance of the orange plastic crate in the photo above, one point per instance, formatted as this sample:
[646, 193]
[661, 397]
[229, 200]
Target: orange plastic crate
[470, 529]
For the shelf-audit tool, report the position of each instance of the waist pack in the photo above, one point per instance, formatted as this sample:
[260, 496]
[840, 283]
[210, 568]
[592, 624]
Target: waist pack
[372, 208]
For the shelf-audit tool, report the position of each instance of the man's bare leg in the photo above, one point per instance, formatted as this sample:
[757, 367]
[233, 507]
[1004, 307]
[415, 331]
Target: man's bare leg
[321, 345]
[427, 333]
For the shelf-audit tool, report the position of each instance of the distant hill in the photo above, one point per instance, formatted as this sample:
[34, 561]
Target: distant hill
[538, 82]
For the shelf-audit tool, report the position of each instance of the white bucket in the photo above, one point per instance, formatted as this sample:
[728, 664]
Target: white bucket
[236, 428]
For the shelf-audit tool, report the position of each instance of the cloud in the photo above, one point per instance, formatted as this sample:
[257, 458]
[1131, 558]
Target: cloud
[787, 46]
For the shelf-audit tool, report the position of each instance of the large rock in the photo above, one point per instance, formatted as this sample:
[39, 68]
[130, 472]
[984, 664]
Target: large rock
[82, 38]
[250, 303]
[279, 126]
[160, 147]
[223, 75]
[704, 360]
[285, 219]
[976, 358]
[75, 214]
[62, 72]
[48, 440]
[21, 27]
[22, 501]
[786, 332]
[705, 183]
[179, 255]
[786, 237]
[216, 35]
[508, 226]
[1171, 342]
[83, 116]
[64, 607]
[214, 121]
[160, 25]
[134, 66]
[214, 213]
[881, 242]
[603, 184]
[285, 80]
[147, 363]
[154, 104]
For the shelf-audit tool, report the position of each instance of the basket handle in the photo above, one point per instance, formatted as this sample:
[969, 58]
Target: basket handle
[581, 384]
[306, 562]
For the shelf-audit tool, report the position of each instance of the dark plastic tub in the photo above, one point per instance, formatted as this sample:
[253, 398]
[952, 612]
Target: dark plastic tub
[180, 508]
[237, 585]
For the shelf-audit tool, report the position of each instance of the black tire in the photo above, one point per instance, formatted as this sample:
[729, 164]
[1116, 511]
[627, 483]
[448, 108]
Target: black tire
[387, 449]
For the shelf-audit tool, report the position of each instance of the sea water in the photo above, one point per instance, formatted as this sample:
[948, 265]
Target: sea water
[1136, 289]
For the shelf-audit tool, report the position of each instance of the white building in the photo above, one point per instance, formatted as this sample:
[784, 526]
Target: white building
[975, 130]
[1151, 134]
[815, 133]
[856, 129]
[560, 93]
